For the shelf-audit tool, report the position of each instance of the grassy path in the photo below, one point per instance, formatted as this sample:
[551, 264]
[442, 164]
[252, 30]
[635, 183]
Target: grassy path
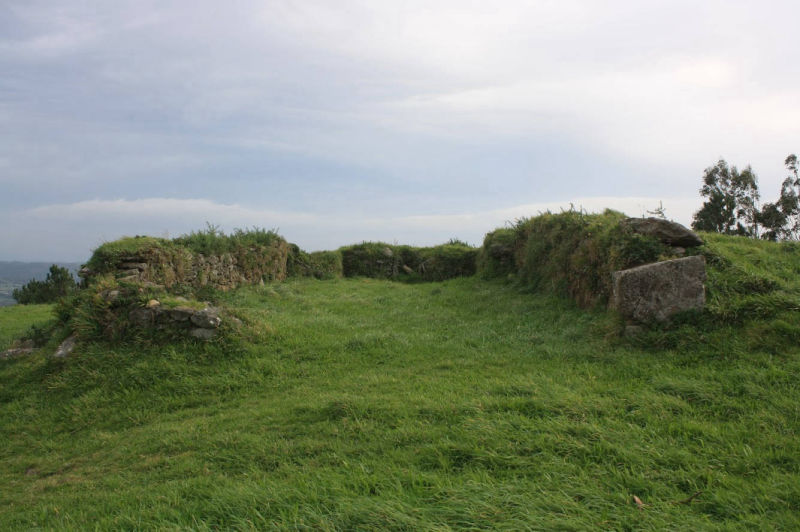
[362, 404]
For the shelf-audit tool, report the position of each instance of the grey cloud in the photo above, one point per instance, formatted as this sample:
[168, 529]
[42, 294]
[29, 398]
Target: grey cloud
[402, 108]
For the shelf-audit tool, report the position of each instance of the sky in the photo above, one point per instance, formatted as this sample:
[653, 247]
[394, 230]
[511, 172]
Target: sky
[405, 121]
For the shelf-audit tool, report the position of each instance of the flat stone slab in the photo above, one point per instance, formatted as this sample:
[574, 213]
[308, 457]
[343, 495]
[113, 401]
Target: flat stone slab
[655, 292]
[670, 233]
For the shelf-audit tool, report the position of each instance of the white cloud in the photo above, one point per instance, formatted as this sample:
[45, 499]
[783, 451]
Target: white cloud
[684, 110]
[164, 208]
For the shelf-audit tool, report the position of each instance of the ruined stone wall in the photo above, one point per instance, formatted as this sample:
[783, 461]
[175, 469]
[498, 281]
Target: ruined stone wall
[172, 267]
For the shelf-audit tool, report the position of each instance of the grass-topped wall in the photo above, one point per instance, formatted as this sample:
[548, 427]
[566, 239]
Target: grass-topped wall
[210, 258]
[407, 263]
[318, 264]
[752, 288]
[569, 252]
[207, 258]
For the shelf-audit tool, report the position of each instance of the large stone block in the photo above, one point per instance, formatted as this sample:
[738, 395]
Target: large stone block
[655, 292]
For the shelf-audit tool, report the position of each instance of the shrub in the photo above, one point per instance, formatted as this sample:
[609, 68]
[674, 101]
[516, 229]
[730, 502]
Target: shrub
[59, 283]
[325, 264]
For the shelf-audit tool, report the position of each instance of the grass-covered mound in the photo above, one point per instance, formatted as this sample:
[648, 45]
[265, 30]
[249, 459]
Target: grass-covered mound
[132, 284]
[384, 261]
[113, 311]
[752, 296]
[365, 404]
[752, 290]
[569, 253]
[749, 277]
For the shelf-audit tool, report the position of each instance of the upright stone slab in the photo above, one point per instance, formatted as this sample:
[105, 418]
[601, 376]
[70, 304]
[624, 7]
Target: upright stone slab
[655, 292]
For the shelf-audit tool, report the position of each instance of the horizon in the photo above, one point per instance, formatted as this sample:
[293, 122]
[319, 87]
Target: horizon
[448, 226]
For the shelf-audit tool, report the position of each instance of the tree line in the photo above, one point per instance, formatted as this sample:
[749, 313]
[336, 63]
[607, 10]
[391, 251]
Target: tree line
[59, 283]
[731, 204]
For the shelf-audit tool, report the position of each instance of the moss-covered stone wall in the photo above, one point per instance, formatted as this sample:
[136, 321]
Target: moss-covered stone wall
[172, 265]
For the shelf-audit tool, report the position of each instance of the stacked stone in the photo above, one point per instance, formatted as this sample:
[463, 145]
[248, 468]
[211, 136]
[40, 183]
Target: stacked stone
[199, 323]
[218, 271]
[658, 291]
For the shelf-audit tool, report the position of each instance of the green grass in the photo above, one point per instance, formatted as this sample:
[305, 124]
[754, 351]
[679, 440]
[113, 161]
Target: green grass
[16, 320]
[213, 241]
[569, 253]
[752, 303]
[366, 404]
[210, 241]
[108, 254]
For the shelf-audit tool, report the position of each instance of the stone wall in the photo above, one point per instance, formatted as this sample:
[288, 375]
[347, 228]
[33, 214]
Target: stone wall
[199, 323]
[169, 267]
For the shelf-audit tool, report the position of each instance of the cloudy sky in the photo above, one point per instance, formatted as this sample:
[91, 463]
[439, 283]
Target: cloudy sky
[408, 121]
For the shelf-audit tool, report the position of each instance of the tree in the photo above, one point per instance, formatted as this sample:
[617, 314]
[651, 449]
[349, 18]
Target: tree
[59, 283]
[772, 220]
[781, 220]
[731, 205]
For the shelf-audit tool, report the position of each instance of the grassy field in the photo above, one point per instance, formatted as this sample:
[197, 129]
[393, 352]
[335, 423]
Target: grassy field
[16, 320]
[363, 404]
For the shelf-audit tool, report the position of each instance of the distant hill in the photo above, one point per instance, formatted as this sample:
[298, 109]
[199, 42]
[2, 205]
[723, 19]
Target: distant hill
[14, 274]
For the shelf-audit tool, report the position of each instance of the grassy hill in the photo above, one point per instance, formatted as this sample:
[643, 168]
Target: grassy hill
[469, 403]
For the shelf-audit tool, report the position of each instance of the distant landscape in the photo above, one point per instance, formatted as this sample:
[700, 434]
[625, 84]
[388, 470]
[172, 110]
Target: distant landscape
[14, 274]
